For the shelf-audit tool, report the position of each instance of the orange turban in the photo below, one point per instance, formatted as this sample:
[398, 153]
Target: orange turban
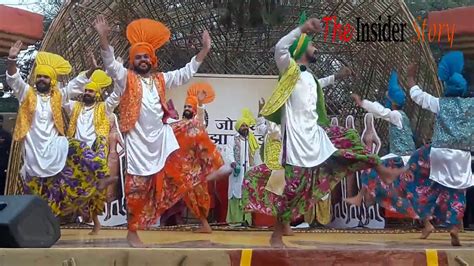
[146, 36]
[193, 101]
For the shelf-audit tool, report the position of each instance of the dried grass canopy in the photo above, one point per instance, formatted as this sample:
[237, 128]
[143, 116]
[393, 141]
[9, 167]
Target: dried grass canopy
[244, 33]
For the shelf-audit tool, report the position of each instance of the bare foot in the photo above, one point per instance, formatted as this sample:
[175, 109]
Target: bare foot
[205, 228]
[287, 231]
[388, 175]
[97, 226]
[427, 230]
[95, 231]
[134, 240]
[455, 242]
[356, 200]
[276, 241]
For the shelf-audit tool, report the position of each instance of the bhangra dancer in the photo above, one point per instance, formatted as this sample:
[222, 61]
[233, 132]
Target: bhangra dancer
[242, 153]
[401, 140]
[149, 141]
[433, 188]
[89, 123]
[197, 158]
[314, 162]
[64, 172]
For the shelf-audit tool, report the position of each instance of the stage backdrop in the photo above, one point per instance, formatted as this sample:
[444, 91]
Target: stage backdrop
[233, 93]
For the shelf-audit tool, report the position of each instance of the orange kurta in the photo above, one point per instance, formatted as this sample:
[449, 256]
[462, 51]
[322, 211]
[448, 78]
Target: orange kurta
[196, 158]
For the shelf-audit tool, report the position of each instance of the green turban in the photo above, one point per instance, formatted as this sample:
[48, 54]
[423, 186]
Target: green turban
[298, 48]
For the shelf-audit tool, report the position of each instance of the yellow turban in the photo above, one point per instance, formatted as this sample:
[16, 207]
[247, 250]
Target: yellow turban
[99, 80]
[51, 65]
[248, 119]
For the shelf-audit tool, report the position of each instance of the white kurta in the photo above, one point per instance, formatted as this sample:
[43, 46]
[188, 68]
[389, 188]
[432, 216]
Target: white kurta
[44, 151]
[392, 116]
[307, 144]
[150, 142]
[449, 167]
[235, 182]
[85, 129]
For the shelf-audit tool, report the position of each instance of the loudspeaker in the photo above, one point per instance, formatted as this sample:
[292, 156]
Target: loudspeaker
[27, 222]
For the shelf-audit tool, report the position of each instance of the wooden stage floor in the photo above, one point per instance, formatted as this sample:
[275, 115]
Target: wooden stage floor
[322, 247]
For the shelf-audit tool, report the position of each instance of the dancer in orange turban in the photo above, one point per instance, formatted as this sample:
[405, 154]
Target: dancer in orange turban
[197, 159]
[149, 141]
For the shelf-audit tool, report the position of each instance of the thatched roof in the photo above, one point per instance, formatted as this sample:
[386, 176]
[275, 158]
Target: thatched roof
[244, 33]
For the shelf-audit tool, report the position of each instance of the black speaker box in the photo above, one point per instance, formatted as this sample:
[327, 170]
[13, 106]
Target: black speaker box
[27, 222]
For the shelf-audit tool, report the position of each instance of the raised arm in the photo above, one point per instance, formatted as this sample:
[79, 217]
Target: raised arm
[182, 76]
[14, 80]
[424, 99]
[112, 102]
[394, 117]
[282, 53]
[113, 67]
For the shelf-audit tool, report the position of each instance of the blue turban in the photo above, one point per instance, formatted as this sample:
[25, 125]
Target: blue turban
[449, 71]
[395, 93]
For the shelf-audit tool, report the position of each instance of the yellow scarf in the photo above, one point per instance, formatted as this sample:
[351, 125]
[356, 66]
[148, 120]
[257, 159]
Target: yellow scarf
[101, 122]
[273, 107]
[27, 111]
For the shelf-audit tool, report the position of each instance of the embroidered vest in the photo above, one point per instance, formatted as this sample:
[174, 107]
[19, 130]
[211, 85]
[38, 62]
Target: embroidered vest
[401, 140]
[100, 120]
[454, 126]
[27, 111]
[131, 100]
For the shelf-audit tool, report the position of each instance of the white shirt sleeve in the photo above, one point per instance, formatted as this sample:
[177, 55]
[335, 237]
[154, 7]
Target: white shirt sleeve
[424, 99]
[181, 76]
[282, 54]
[74, 88]
[327, 81]
[115, 70]
[18, 85]
[112, 102]
[261, 127]
[69, 106]
[379, 111]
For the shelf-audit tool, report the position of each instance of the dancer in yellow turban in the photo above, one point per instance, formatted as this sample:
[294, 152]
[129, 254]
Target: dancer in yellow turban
[149, 141]
[243, 153]
[89, 123]
[59, 170]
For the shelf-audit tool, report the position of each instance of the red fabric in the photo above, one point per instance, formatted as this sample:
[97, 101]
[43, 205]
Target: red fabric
[20, 22]
[148, 197]
[222, 187]
[461, 17]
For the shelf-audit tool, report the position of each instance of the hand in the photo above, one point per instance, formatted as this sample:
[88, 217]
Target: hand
[201, 96]
[344, 72]
[15, 50]
[92, 61]
[206, 40]
[312, 25]
[261, 103]
[101, 26]
[206, 46]
[412, 70]
[92, 64]
[357, 99]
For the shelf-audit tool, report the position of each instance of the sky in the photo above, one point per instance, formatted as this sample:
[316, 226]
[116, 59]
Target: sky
[23, 4]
